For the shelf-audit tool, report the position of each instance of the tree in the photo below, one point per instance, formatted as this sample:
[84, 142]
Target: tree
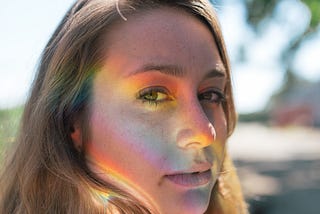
[259, 11]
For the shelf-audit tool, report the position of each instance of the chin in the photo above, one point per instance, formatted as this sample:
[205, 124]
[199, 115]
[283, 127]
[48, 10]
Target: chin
[195, 209]
[196, 205]
[193, 202]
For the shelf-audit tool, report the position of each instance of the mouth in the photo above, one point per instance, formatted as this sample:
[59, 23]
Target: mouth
[192, 179]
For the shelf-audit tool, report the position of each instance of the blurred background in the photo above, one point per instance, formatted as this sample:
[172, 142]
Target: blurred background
[274, 48]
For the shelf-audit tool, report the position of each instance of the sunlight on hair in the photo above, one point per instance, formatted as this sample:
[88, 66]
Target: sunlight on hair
[102, 198]
[119, 11]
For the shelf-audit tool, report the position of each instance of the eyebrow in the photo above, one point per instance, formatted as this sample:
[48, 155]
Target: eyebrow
[176, 71]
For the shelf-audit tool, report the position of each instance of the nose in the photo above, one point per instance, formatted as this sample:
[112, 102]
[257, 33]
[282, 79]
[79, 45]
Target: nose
[195, 129]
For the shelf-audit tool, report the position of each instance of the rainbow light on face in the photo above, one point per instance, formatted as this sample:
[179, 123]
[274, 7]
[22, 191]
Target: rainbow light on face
[111, 173]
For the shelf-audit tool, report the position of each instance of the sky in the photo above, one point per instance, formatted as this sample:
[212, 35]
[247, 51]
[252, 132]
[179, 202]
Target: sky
[27, 25]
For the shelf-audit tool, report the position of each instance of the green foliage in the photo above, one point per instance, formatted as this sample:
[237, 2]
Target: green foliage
[258, 10]
[314, 7]
[261, 12]
[9, 123]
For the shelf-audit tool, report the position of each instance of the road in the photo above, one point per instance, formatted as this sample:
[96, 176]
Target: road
[279, 168]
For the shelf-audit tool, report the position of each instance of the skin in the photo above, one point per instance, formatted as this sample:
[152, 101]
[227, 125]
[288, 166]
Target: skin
[156, 110]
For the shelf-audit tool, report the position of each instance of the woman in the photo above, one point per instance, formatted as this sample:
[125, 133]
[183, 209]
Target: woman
[129, 113]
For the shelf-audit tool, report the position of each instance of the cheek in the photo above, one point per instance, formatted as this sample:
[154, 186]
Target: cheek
[217, 118]
[219, 146]
[220, 124]
[126, 140]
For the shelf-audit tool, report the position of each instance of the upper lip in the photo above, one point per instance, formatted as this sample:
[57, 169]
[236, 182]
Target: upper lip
[199, 167]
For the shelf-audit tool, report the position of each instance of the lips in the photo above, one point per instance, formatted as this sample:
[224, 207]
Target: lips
[193, 179]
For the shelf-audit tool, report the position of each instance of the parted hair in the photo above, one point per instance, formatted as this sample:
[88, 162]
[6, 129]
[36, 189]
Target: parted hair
[43, 172]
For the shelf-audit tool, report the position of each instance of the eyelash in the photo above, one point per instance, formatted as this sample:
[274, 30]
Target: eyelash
[220, 97]
[154, 91]
[152, 94]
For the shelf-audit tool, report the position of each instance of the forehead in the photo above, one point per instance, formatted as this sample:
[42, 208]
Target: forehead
[162, 36]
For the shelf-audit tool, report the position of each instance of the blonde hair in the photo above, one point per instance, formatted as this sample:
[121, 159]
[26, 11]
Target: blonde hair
[45, 173]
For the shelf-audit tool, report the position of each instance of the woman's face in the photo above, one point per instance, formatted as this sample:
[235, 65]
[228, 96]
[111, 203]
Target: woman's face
[157, 125]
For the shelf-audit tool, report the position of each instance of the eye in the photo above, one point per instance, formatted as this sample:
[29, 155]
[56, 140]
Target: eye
[154, 95]
[212, 96]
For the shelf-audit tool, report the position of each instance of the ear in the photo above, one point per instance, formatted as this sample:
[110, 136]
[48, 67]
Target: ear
[76, 136]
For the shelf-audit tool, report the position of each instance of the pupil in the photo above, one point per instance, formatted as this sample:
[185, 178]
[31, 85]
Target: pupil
[153, 95]
[208, 96]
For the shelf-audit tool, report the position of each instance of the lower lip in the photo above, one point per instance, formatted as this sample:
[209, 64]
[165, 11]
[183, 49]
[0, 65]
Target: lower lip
[191, 179]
